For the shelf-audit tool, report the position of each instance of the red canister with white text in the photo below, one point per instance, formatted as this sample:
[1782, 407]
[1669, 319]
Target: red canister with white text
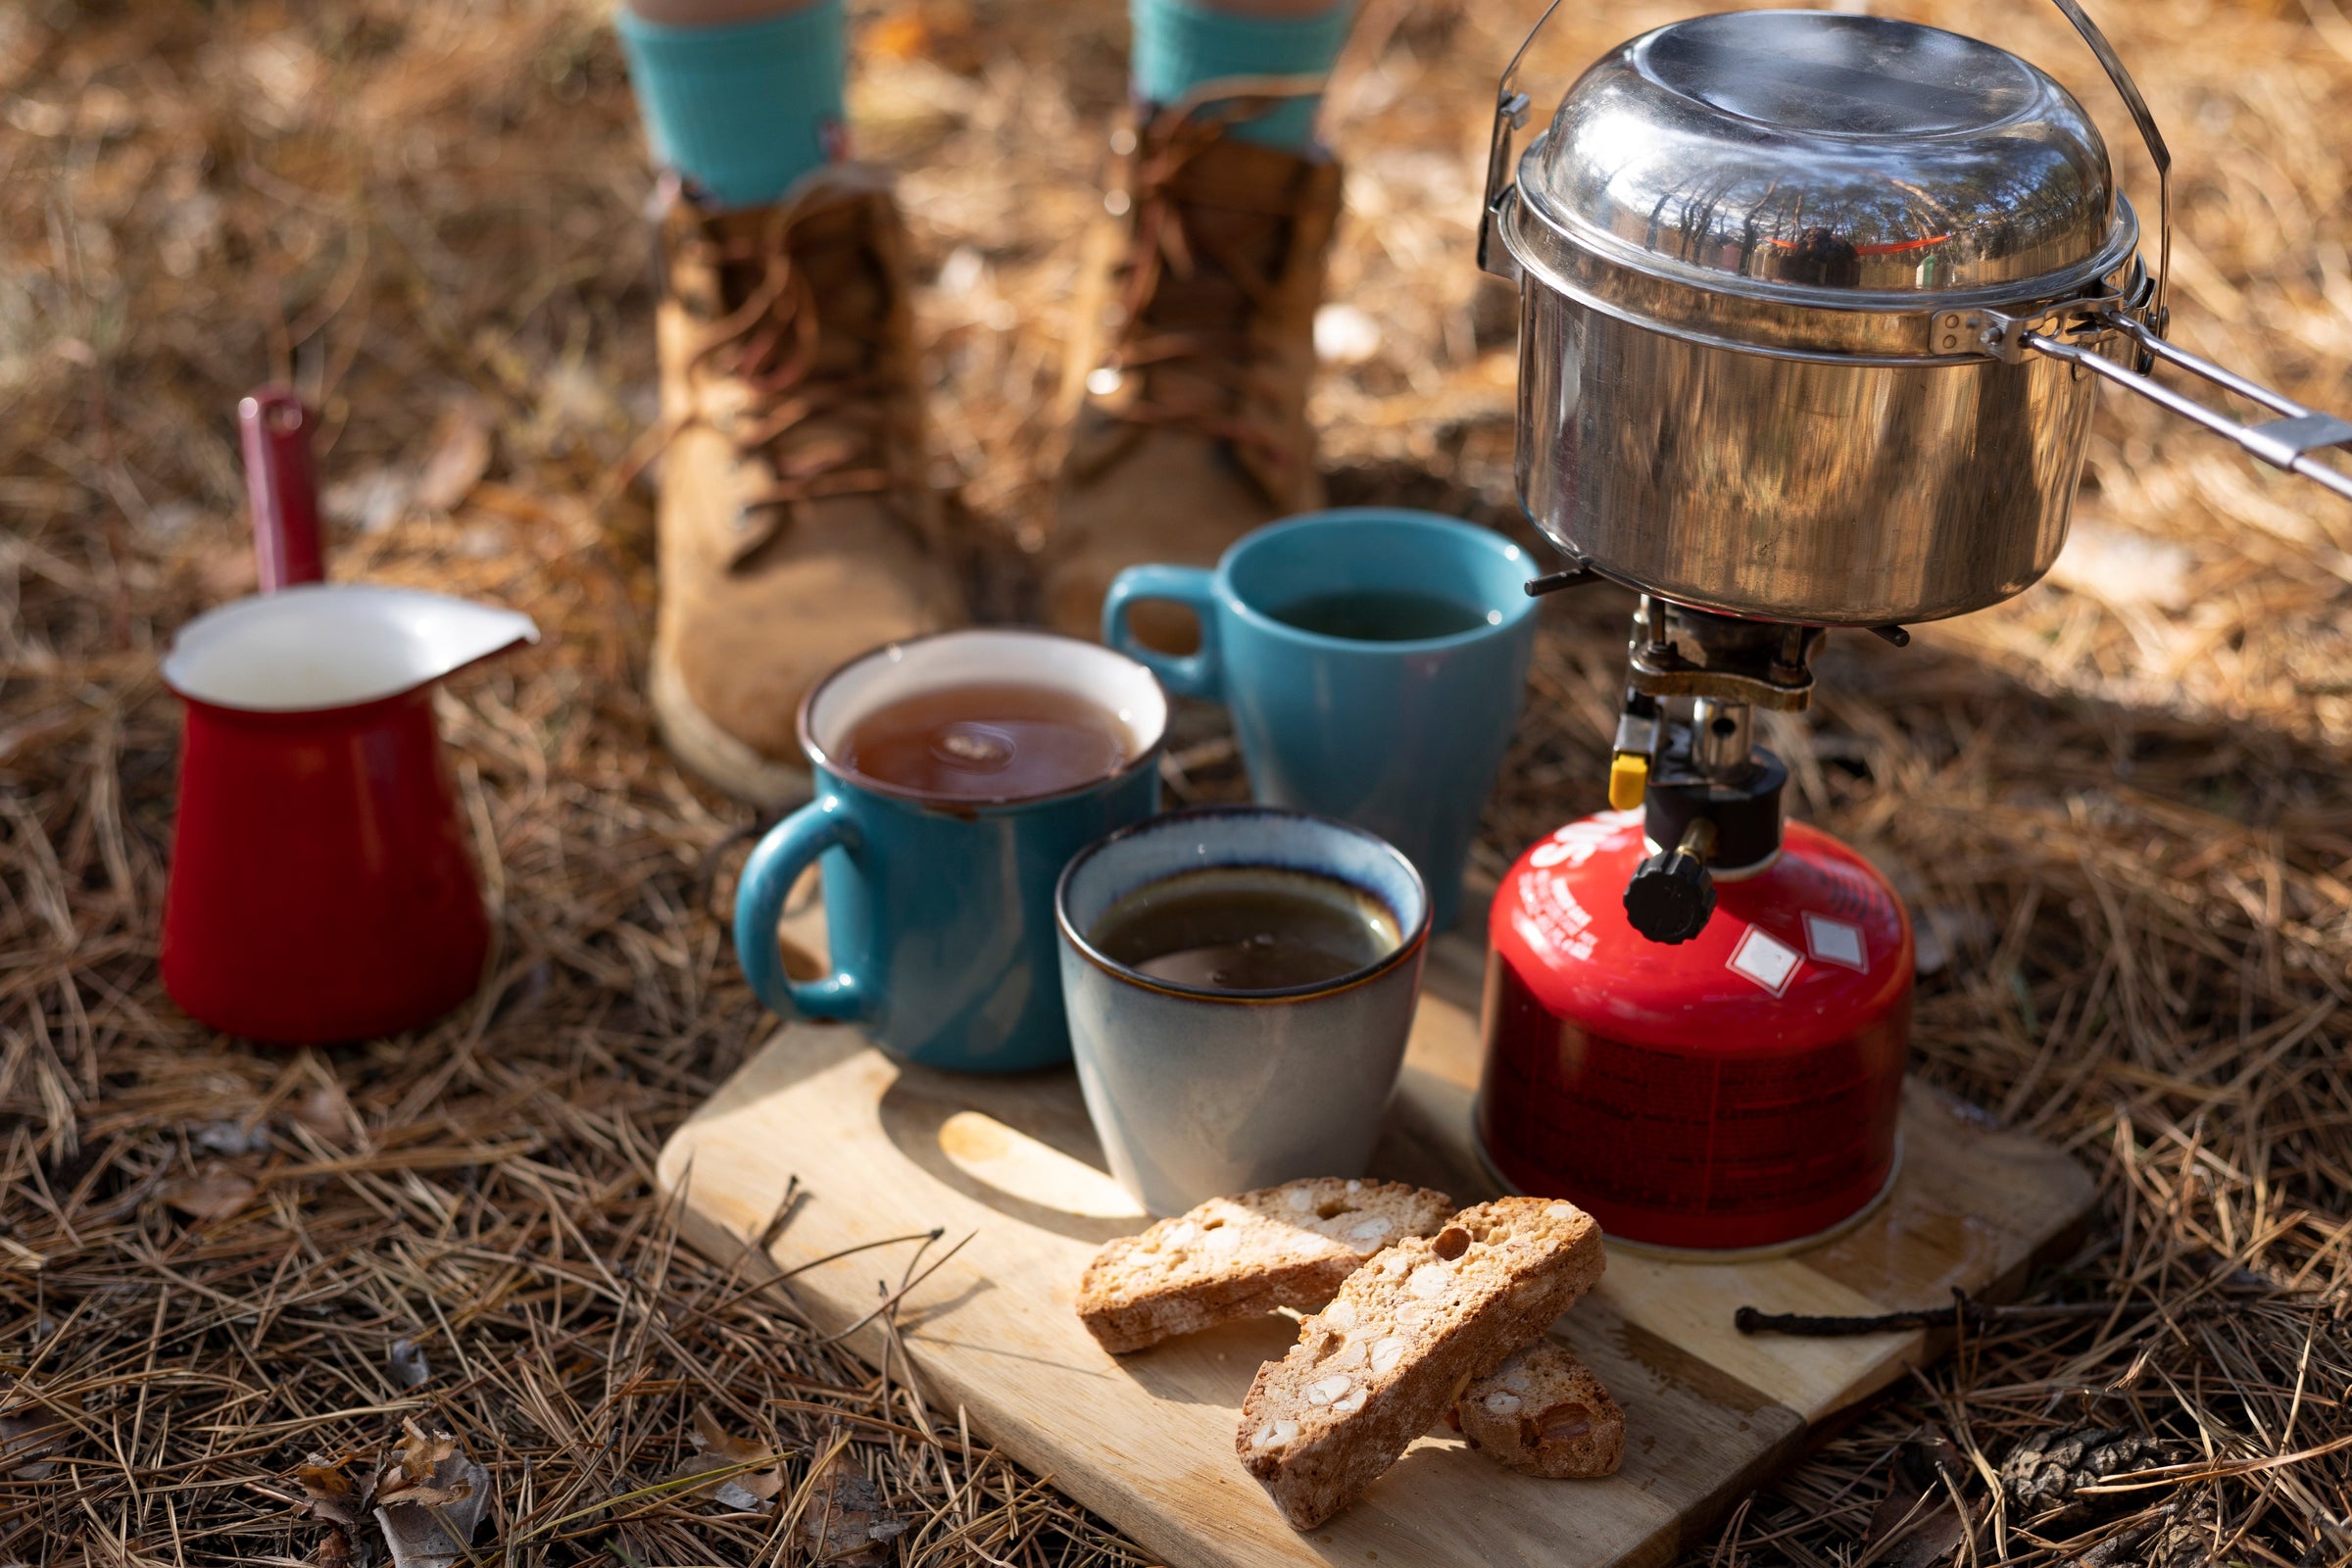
[1737, 1091]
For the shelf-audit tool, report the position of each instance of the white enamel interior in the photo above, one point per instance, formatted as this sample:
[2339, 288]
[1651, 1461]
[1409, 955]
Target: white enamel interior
[986, 656]
[322, 646]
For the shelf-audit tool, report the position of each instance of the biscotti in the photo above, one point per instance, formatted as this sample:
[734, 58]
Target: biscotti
[1234, 1258]
[1380, 1366]
[1543, 1411]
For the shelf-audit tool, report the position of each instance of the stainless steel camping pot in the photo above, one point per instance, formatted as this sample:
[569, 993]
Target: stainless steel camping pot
[1815, 308]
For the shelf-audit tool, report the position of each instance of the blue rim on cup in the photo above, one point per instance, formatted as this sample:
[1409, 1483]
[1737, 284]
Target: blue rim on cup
[1197, 1091]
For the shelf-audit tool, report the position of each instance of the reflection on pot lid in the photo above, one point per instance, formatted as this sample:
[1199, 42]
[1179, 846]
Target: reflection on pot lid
[1806, 151]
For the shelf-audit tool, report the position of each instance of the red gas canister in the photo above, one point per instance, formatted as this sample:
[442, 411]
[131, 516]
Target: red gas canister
[1736, 1090]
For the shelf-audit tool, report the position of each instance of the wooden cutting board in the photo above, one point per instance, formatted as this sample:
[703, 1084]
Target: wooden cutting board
[1147, 1442]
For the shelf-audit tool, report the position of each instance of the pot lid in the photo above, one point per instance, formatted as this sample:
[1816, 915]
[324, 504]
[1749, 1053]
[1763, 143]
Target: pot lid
[1824, 157]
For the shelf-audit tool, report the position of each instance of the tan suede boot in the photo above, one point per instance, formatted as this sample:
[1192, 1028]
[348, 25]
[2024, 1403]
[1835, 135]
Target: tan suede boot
[1195, 344]
[798, 524]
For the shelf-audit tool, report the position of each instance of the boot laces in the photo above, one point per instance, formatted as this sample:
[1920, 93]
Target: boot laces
[1208, 380]
[820, 409]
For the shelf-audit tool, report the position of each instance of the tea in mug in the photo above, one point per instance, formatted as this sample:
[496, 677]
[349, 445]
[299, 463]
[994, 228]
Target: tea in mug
[1247, 929]
[1384, 615]
[998, 740]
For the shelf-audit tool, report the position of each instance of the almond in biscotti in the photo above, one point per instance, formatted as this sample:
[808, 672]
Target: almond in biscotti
[1381, 1365]
[1543, 1411]
[1234, 1258]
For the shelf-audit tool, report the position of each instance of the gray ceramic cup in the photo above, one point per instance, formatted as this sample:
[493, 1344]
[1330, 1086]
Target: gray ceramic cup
[1197, 1092]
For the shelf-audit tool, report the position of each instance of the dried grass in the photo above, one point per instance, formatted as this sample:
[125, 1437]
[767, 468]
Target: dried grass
[2117, 804]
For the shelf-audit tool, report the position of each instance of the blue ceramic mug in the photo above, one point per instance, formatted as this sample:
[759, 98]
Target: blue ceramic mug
[1402, 737]
[1198, 1092]
[939, 914]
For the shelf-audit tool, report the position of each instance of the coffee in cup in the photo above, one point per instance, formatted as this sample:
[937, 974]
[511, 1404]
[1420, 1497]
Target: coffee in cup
[1239, 982]
[1252, 929]
[1384, 616]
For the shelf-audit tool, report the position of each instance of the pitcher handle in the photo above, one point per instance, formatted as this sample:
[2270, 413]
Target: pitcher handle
[790, 847]
[281, 488]
[1193, 587]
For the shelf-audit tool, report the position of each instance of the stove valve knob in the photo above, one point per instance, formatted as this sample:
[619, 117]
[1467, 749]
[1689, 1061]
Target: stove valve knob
[1671, 894]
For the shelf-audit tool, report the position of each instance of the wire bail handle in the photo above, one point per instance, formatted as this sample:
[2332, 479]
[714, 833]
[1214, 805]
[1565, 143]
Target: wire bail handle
[1510, 116]
[2158, 314]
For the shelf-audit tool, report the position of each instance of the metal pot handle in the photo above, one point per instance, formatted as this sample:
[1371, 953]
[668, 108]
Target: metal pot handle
[2159, 310]
[2287, 442]
[2141, 315]
[1511, 114]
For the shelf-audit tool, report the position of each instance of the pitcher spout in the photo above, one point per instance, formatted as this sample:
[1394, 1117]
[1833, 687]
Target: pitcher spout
[317, 647]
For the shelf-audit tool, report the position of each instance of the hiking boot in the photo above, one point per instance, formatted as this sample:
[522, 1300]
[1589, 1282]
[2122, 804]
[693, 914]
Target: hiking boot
[1194, 343]
[798, 524]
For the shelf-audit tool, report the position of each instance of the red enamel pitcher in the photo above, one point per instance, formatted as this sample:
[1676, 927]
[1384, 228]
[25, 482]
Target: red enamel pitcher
[321, 885]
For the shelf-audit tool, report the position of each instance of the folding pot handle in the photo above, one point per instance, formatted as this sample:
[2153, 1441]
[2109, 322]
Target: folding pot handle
[2287, 442]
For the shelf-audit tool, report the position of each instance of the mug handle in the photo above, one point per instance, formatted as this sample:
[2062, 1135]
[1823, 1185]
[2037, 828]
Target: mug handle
[1193, 587]
[768, 878]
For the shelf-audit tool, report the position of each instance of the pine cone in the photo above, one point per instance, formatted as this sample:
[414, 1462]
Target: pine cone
[2045, 1474]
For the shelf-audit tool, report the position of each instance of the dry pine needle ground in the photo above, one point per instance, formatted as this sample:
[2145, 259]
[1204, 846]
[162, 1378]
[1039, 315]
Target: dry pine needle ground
[243, 1294]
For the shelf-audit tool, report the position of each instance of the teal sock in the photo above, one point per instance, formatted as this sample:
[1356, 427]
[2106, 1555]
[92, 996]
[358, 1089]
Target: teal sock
[1178, 44]
[742, 109]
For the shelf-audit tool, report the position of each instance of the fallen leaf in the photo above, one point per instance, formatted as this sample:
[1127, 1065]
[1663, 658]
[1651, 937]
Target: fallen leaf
[231, 1137]
[749, 1490]
[410, 1368]
[460, 457]
[212, 1193]
[370, 502]
[430, 1499]
[334, 1551]
[2126, 568]
[423, 1453]
[1917, 1524]
[335, 1495]
[323, 1111]
[26, 1434]
[845, 1520]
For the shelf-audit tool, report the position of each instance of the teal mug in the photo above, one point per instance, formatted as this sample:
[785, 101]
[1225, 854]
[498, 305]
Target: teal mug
[938, 913]
[1336, 711]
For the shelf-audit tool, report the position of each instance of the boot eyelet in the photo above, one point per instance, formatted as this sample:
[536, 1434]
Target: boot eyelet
[1117, 203]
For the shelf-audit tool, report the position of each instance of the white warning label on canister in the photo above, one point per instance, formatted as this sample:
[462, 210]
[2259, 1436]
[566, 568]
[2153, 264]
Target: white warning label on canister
[1835, 941]
[1764, 959]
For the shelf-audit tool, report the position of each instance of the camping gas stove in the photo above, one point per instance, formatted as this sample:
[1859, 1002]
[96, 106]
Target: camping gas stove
[1696, 1011]
[1814, 311]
